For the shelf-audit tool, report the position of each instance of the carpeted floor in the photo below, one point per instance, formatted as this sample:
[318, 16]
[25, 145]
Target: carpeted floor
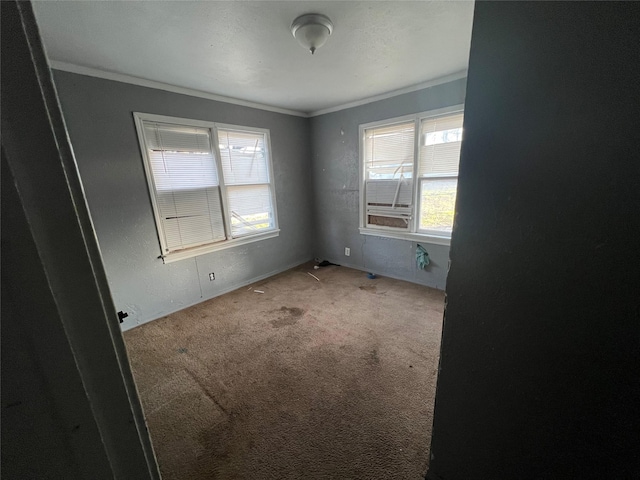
[310, 380]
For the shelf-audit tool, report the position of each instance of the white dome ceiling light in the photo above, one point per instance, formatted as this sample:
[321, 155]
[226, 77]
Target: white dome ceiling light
[312, 30]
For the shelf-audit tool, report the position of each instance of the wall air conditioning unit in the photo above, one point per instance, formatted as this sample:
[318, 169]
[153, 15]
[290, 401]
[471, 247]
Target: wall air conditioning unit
[389, 203]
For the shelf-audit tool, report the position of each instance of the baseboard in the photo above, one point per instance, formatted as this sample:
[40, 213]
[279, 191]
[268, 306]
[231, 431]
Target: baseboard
[384, 274]
[231, 288]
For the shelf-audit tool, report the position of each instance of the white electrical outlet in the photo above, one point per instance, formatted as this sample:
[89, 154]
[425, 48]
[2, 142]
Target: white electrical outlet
[212, 277]
[347, 251]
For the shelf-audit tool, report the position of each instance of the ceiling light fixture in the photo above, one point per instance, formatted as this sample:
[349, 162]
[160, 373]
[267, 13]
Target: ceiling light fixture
[312, 30]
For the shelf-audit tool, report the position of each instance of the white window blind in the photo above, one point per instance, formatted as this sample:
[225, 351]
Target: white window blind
[441, 138]
[186, 184]
[389, 151]
[391, 192]
[246, 176]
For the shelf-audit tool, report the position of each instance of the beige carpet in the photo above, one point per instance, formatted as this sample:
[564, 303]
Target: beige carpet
[310, 380]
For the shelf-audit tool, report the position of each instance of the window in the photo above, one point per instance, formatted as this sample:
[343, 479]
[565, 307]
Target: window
[409, 175]
[211, 185]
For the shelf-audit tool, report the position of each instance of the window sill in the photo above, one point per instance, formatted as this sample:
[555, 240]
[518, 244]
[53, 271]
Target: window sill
[214, 247]
[413, 237]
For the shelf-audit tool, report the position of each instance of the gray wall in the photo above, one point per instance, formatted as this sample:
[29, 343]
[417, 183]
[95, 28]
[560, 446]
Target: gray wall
[334, 143]
[99, 118]
[539, 373]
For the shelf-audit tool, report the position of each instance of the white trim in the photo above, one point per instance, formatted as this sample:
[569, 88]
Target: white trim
[143, 82]
[226, 215]
[413, 88]
[241, 128]
[151, 186]
[441, 111]
[409, 236]
[214, 247]
[387, 122]
[415, 220]
[152, 117]
[413, 233]
[272, 182]
[362, 180]
[215, 150]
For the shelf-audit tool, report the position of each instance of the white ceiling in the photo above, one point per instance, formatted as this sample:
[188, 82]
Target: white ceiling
[245, 50]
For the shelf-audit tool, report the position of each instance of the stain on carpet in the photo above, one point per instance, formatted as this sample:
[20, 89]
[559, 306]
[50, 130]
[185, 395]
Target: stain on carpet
[374, 358]
[206, 391]
[288, 316]
[368, 288]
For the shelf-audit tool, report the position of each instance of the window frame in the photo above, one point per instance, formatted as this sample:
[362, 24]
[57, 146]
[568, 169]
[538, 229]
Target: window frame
[413, 233]
[213, 127]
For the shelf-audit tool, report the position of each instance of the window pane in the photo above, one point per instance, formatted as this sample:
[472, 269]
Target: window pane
[191, 217]
[176, 138]
[250, 209]
[389, 193]
[440, 145]
[244, 157]
[389, 151]
[443, 136]
[182, 170]
[187, 191]
[437, 204]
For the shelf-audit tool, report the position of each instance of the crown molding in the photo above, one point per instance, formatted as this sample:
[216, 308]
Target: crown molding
[143, 82]
[394, 93]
